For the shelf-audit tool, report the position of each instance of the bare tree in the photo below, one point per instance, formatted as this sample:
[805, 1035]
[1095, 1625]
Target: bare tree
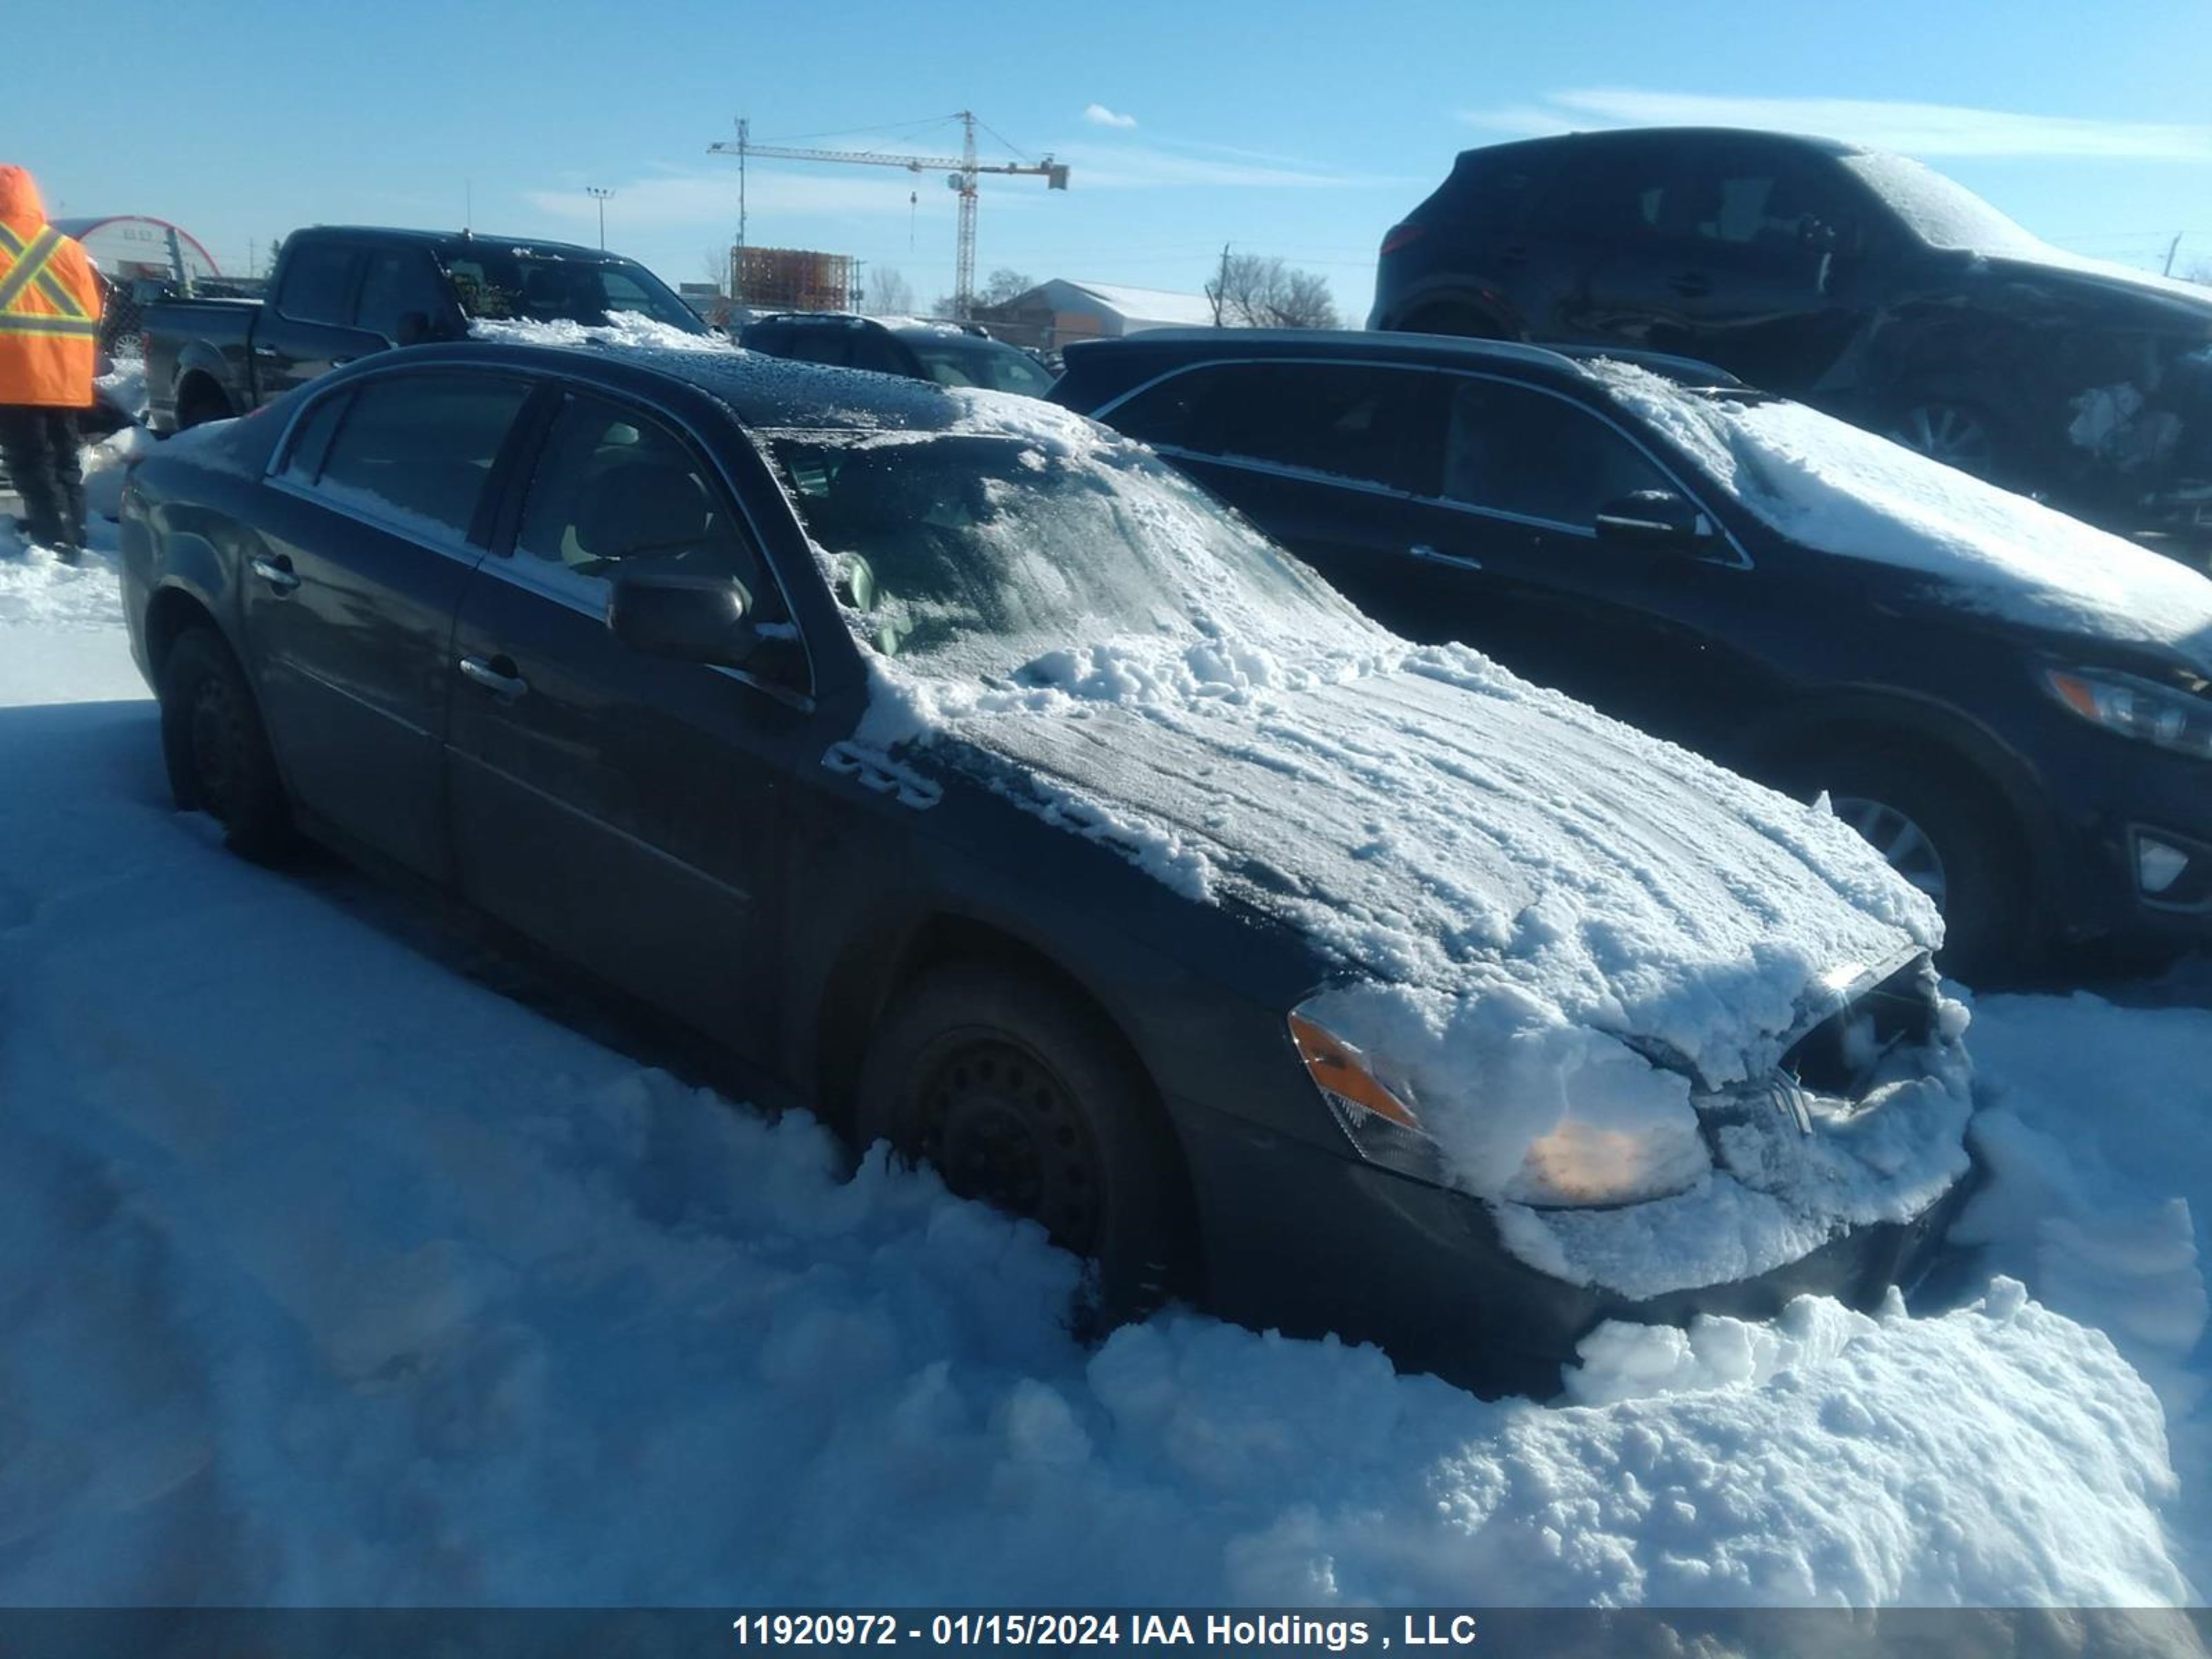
[714, 266]
[1255, 290]
[1001, 285]
[890, 294]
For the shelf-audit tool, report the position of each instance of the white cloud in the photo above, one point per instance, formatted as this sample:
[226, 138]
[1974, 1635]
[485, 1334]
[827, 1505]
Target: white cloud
[1922, 129]
[1099, 116]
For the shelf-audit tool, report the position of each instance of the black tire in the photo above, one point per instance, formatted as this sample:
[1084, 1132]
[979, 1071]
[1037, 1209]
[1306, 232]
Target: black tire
[1987, 931]
[200, 402]
[216, 748]
[1464, 321]
[1020, 1096]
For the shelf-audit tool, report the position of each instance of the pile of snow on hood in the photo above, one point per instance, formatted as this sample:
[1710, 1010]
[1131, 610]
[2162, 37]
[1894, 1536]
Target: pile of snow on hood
[1828, 486]
[622, 329]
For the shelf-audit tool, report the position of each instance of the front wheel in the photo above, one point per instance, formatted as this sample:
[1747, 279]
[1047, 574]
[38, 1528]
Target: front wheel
[1946, 836]
[1948, 430]
[1021, 1097]
[216, 748]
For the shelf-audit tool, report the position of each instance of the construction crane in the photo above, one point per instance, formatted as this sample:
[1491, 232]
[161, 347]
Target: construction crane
[962, 171]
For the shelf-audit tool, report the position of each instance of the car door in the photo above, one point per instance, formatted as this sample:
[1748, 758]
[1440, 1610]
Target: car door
[378, 508]
[1763, 268]
[625, 810]
[306, 328]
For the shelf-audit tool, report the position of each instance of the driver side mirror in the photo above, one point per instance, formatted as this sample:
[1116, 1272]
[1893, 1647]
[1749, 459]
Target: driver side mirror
[1656, 518]
[692, 619]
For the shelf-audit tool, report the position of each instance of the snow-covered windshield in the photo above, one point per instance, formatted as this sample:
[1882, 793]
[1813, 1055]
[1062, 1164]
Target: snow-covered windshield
[970, 555]
[1939, 212]
[952, 359]
[1829, 485]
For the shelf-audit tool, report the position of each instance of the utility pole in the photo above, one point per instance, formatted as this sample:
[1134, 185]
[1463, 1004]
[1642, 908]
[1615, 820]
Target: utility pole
[1221, 287]
[2173, 248]
[600, 197]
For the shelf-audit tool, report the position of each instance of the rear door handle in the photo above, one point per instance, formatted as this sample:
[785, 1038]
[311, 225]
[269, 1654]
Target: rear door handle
[1429, 554]
[277, 571]
[497, 676]
[1692, 284]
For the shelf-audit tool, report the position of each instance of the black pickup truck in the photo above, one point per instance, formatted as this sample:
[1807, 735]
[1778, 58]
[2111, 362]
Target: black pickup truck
[340, 291]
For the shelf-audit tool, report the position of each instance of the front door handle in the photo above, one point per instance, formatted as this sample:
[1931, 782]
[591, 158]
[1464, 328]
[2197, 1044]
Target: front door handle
[498, 677]
[277, 571]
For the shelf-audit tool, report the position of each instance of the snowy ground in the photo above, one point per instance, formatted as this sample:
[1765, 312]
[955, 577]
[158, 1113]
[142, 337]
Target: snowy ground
[329, 1275]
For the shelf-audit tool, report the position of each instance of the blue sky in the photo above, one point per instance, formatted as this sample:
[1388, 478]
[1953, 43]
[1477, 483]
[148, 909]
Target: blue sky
[1282, 128]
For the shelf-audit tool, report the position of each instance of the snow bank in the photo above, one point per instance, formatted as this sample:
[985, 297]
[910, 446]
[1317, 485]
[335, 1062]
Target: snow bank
[410, 1297]
[1832, 487]
[1557, 934]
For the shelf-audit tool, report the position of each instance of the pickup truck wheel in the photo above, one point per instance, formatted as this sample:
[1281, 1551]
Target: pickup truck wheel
[1019, 1096]
[217, 750]
[200, 402]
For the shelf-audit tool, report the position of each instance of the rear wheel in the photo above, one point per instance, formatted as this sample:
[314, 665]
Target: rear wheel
[217, 752]
[200, 402]
[1947, 835]
[1020, 1096]
[1945, 429]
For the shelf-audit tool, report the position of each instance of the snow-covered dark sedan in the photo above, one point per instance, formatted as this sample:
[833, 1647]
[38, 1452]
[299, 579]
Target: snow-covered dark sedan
[979, 782]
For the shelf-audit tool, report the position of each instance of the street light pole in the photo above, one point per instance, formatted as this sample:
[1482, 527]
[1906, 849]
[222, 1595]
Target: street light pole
[600, 197]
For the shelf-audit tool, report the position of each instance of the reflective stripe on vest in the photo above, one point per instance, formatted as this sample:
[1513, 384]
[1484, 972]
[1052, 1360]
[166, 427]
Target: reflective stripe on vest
[31, 267]
[12, 324]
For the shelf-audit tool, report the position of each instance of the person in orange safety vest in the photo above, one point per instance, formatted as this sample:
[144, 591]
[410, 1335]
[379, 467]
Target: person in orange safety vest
[48, 341]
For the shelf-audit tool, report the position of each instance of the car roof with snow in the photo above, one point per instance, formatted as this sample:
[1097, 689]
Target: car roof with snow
[1555, 365]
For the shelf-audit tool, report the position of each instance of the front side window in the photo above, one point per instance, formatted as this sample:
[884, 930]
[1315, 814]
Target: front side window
[1370, 423]
[318, 285]
[1512, 449]
[417, 450]
[953, 359]
[498, 284]
[1757, 197]
[614, 489]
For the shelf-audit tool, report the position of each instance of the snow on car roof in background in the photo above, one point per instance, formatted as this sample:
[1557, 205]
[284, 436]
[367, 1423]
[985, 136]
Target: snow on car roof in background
[1830, 486]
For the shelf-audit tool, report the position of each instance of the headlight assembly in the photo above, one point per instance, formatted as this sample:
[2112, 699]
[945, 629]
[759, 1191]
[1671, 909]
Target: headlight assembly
[2163, 716]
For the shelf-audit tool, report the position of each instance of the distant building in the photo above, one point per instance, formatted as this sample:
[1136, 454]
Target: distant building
[129, 246]
[1053, 314]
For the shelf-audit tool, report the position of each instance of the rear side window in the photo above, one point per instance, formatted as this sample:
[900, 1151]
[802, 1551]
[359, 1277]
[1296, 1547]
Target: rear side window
[319, 283]
[1611, 190]
[1515, 450]
[417, 450]
[1368, 423]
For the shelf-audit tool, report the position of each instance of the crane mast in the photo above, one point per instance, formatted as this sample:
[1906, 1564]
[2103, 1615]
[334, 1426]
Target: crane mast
[962, 173]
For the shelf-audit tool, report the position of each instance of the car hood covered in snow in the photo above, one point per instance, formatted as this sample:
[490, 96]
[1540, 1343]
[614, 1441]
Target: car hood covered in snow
[1831, 487]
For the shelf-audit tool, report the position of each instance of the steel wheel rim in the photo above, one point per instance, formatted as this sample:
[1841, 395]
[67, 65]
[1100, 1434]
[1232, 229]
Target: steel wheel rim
[1904, 845]
[1945, 432]
[1002, 1127]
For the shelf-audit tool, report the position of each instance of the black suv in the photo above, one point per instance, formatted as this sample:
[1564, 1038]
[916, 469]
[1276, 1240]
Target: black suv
[950, 354]
[1858, 282]
[2015, 708]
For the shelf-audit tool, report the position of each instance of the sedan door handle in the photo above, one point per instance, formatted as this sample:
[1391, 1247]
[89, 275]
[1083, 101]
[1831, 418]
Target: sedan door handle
[1429, 554]
[1692, 284]
[497, 676]
[277, 571]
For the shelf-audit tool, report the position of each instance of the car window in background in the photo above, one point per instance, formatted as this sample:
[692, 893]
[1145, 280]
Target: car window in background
[498, 283]
[398, 280]
[1369, 423]
[415, 450]
[965, 359]
[612, 488]
[319, 283]
[1611, 190]
[1759, 196]
[1513, 450]
[812, 344]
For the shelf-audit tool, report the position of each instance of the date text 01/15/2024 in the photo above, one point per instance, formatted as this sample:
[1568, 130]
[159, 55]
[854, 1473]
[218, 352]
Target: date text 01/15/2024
[1072, 1629]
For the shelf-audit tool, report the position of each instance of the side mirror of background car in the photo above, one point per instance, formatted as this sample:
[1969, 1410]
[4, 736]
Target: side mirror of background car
[693, 619]
[1656, 518]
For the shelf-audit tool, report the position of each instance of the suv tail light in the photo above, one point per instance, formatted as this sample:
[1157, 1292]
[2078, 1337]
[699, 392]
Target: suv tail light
[1399, 236]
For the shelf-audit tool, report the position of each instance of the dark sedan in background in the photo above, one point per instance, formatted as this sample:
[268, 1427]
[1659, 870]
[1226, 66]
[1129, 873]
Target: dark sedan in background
[949, 354]
[660, 659]
[2023, 746]
[1859, 282]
